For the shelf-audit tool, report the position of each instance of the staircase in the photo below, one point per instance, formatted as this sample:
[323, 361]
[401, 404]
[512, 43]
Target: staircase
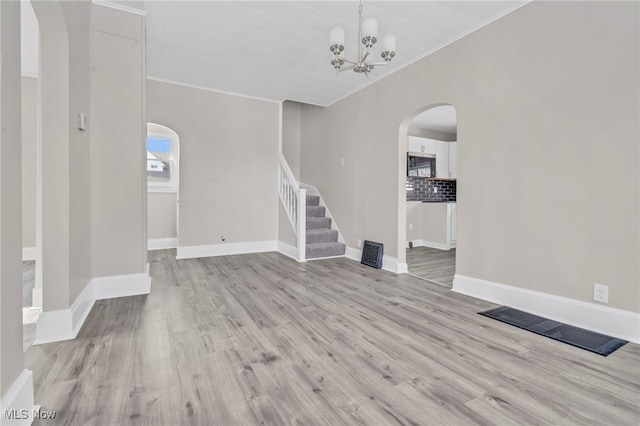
[322, 241]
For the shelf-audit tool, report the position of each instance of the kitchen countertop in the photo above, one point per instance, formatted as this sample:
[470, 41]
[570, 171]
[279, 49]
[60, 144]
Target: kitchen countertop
[437, 201]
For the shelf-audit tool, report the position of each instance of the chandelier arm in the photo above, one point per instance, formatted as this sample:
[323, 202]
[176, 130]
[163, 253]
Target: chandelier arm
[348, 61]
[364, 58]
[350, 67]
[379, 64]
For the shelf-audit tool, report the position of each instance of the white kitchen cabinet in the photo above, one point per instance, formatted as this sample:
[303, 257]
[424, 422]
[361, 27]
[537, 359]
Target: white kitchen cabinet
[442, 159]
[453, 159]
[423, 145]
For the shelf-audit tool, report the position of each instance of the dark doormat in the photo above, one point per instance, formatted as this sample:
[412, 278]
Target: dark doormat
[575, 336]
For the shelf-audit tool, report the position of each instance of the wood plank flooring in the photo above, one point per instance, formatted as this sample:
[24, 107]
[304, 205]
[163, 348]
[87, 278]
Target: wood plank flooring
[432, 264]
[261, 339]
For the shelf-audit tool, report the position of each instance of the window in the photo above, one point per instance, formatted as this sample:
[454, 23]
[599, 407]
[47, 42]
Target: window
[162, 159]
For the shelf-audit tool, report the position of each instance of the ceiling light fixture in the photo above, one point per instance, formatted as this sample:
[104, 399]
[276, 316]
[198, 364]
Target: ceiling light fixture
[368, 35]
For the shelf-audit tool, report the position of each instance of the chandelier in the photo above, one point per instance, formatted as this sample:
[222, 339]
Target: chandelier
[368, 35]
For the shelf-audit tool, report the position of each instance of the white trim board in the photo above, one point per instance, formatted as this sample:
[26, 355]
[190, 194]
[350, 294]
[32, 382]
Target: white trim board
[28, 253]
[64, 324]
[210, 89]
[162, 243]
[194, 252]
[431, 244]
[122, 285]
[602, 319]
[120, 7]
[19, 400]
[288, 250]
[389, 263]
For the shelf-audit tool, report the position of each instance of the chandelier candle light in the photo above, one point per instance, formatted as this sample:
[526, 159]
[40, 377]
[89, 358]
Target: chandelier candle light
[368, 35]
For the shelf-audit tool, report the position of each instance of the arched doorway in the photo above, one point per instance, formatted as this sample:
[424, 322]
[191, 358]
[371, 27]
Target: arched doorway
[430, 179]
[163, 175]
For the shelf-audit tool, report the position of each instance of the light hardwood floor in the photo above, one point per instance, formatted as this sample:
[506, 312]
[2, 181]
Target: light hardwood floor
[261, 339]
[432, 264]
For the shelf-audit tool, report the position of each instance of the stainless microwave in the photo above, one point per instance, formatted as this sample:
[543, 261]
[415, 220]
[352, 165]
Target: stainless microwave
[421, 165]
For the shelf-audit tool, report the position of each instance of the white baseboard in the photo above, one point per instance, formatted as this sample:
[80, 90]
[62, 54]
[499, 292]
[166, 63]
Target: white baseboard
[121, 285]
[192, 252]
[28, 253]
[432, 244]
[602, 319]
[389, 263]
[64, 324]
[288, 250]
[162, 243]
[18, 401]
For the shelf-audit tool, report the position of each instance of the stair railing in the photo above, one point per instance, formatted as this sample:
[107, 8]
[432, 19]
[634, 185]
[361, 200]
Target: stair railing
[294, 201]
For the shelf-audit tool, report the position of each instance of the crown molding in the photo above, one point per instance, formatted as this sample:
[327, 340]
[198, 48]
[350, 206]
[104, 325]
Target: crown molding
[120, 7]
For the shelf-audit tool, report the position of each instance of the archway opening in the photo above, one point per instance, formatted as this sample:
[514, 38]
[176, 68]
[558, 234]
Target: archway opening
[163, 176]
[429, 176]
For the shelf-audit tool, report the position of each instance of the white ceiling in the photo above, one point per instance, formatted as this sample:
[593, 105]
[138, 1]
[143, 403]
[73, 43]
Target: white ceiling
[279, 50]
[441, 119]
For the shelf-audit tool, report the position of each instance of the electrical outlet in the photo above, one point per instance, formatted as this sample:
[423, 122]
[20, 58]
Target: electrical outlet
[600, 293]
[359, 242]
[435, 189]
[411, 227]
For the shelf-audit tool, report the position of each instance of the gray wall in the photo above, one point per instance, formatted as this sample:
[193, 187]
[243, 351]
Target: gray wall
[228, 162]
[118, 152]
[77, 17]
[547, 99]
[434, 222]
[414, 218]
[291, 115]
[55, 153]
[11, 358]
[161, 215]
[29, 139]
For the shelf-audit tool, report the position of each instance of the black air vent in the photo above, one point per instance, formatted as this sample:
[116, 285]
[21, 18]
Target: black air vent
[372, 254]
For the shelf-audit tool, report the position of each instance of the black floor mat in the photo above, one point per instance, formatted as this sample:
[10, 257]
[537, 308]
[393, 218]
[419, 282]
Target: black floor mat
[575, 336]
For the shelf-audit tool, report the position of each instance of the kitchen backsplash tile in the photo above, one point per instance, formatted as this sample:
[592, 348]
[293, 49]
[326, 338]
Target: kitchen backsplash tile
[421, 189]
